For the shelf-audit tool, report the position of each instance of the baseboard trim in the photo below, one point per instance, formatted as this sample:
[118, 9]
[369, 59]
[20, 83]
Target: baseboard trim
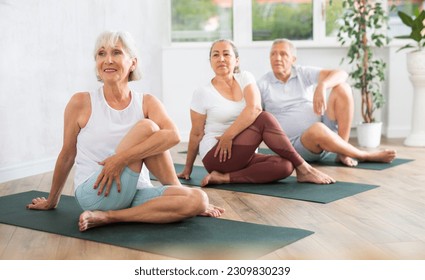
[28, 169]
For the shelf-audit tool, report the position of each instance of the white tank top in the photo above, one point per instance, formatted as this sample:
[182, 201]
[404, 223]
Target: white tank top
[103, 132]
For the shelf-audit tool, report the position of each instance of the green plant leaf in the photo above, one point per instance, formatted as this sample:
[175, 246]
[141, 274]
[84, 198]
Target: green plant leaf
[367, 72]
[416, 35]
[405, 18]
[402, 37]
[405, 47]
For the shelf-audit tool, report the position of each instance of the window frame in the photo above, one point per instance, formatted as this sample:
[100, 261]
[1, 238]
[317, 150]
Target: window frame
[242, 28]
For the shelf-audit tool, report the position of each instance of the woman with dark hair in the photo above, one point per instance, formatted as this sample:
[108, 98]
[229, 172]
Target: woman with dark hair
[228, 125]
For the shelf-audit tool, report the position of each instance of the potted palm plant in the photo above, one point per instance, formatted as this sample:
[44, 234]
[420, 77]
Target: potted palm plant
[416, 68]
[363, 30]
[417, 30]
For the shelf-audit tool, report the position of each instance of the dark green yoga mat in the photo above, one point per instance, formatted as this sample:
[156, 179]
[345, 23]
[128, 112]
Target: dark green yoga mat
[287, 188]
[195, 238]
[330, 161]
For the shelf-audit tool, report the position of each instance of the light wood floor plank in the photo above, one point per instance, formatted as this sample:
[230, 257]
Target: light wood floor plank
[383, 223]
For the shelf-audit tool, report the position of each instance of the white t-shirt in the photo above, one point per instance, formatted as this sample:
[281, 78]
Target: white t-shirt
[221, 112]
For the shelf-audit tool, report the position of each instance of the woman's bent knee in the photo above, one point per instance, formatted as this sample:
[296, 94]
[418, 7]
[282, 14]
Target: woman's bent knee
[266, 116]
[147, 126]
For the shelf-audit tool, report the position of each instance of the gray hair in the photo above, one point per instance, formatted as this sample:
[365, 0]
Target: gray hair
[291, 45]
[235, 50]
[110, 39]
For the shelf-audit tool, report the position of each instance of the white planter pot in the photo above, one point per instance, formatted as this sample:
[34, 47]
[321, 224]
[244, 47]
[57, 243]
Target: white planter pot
[369, 134]
[416, 68]
[416, 62]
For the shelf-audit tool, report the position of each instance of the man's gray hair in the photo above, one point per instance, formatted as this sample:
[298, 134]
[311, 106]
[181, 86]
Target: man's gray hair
[291, 45]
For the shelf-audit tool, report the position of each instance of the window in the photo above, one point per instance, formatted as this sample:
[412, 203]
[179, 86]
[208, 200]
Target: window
[332, 13]
[201, 20]
[273, 19]
[247, 21]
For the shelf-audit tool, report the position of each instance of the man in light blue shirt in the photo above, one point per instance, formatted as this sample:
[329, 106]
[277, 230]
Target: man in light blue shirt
[316, 125]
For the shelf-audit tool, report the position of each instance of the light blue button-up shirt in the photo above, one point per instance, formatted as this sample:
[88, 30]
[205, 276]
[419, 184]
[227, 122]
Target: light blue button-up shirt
[291, 102]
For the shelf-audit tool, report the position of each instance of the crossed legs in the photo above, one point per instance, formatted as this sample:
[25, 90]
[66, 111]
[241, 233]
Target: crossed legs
[245, 166]
[175, 204]
[319, 137]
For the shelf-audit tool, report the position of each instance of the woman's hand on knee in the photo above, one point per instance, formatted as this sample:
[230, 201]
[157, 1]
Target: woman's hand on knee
[104, 184]
[112, 169]
[224, 148]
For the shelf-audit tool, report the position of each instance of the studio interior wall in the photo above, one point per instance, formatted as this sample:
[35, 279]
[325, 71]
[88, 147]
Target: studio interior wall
[46, 55]
[179, 85]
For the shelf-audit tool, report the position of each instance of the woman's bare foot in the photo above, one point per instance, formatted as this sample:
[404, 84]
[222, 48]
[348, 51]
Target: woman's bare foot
[212, 211]
[90, 219]
[385, 156]
[346, 160]
[215, 178]
[308, 174]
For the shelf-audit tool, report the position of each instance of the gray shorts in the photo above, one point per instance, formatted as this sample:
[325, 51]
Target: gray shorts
[306, 154]
[130, 196]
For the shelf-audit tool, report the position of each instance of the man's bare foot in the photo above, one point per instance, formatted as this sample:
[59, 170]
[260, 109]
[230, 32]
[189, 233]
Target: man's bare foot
[90, 219]
[385, 156]
[346, 160]
[215, 178]
[308, 174]
[212, 211]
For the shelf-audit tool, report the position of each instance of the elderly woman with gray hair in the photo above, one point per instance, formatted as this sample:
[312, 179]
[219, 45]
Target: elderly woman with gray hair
[114, 133]
[228, 125]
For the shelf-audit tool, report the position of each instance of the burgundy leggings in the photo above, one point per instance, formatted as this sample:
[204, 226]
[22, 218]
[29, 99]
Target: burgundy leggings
[246, 166]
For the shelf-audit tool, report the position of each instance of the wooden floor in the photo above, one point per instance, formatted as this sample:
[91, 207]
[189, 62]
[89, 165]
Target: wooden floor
[384, 223]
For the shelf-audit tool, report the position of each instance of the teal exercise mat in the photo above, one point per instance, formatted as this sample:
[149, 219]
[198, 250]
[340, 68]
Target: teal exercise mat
[195, 238]
[330, 161]
[287, 188]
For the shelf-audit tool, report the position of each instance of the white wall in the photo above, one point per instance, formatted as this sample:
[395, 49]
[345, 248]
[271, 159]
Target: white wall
[400, 96]
[46, 56]
[186, 68]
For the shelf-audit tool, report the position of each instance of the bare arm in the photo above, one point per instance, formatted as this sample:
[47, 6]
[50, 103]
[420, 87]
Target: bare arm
[327, 79]
[162, 140]
[245, 119]
[75, 113]
[196, 133]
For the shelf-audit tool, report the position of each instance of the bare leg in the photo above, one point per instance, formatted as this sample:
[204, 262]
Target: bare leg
[162, 167]
[308, 174]
[319, 137]
[215, 178]
[141, 135]
[177, 203]
[341, 109]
